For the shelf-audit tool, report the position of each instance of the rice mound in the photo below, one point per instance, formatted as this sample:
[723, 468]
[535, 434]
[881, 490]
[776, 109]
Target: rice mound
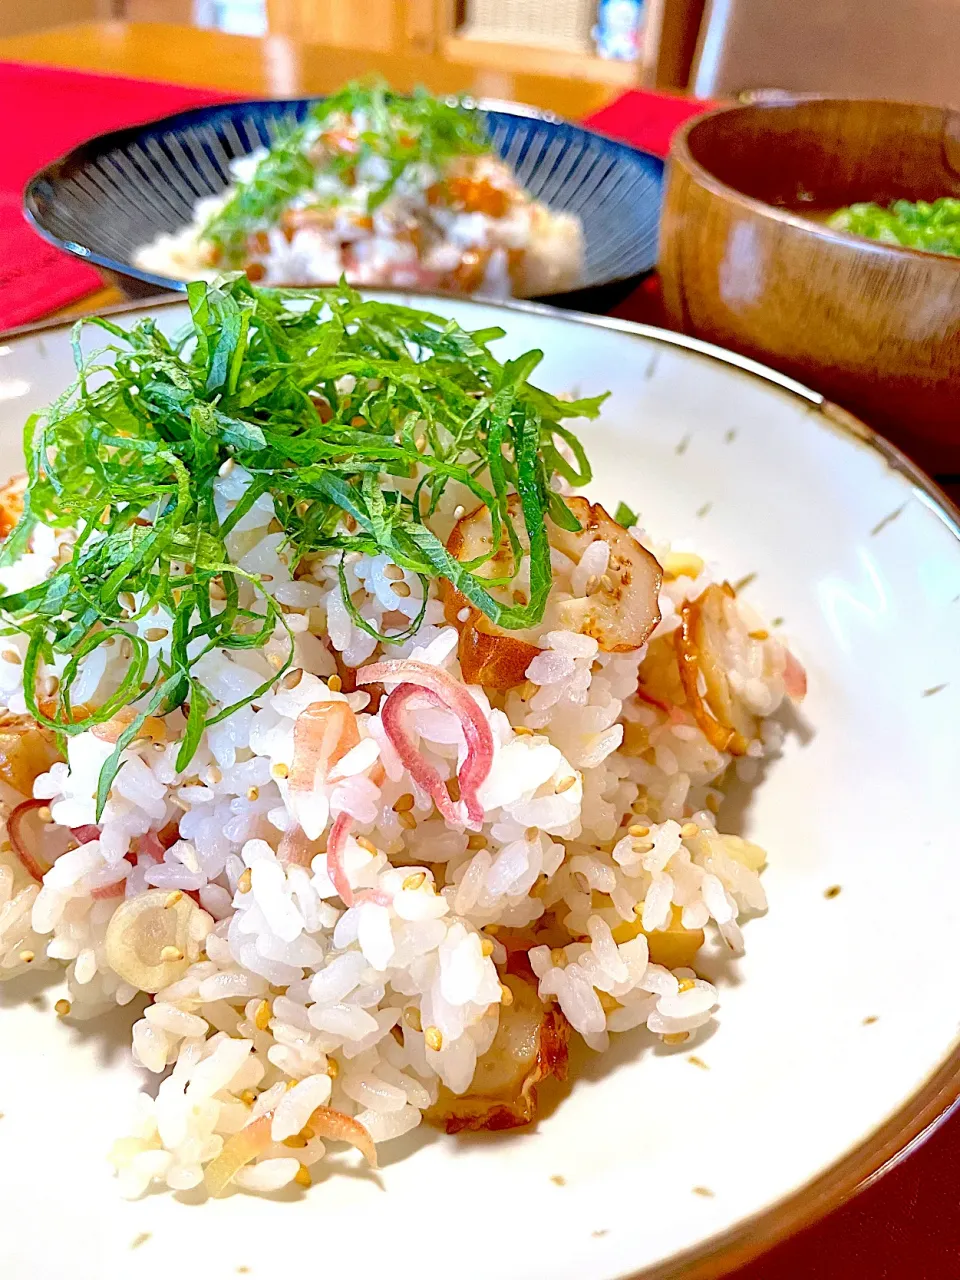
[599, 852]
[528, 250]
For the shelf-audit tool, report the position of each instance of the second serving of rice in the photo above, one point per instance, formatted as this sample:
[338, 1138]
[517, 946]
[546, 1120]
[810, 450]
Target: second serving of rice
[292, 1001]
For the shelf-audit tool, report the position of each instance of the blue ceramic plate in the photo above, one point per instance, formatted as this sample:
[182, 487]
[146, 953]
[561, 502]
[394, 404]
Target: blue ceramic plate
[118, 191]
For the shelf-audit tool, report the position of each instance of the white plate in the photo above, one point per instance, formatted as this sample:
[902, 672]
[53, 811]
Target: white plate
[864, 567]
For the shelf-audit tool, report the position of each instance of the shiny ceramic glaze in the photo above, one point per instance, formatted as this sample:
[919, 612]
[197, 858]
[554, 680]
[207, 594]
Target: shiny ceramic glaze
[836, 1041]
[875, 327]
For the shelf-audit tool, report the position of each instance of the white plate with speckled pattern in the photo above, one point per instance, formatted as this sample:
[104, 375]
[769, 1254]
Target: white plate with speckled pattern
[833, 1048]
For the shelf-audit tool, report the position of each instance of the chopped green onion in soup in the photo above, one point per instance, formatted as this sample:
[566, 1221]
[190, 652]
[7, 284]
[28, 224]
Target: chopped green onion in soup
[914, 224]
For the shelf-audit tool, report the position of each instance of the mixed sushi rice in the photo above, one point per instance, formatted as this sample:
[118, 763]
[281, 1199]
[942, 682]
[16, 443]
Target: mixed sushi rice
[381, 190]
[347, 741]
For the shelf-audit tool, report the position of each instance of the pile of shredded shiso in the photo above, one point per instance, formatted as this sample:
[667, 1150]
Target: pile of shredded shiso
[129, 456]
[404, 132]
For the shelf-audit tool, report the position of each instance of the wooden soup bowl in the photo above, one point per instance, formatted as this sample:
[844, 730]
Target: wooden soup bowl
[874, 327]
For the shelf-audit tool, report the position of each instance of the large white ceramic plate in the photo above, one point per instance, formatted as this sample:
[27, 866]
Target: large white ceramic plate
[836, 1040]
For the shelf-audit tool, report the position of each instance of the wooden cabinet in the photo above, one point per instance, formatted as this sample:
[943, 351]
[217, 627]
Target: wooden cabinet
[18, 16]
[383, 26]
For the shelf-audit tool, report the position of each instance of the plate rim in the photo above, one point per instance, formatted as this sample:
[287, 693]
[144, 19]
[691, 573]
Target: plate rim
[52, 172]
[917, 1118]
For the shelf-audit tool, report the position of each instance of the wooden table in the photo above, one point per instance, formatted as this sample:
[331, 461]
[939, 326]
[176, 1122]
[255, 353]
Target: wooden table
[274, 66]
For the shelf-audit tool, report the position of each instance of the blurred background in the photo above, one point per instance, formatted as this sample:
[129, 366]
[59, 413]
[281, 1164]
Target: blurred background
[715, 48]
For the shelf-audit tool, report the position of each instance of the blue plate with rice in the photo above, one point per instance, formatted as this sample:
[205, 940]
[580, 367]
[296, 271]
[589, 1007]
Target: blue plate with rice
[583, 209]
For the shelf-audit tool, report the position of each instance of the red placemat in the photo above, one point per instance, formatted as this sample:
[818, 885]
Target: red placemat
[647, 120]
[44, 111]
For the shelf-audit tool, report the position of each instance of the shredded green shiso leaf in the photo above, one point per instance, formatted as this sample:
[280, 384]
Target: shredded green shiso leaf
[625, 515]
[916, 225]
[403, 131]
[130, 454]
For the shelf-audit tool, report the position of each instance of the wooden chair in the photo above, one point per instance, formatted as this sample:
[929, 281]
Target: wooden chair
[904, 49]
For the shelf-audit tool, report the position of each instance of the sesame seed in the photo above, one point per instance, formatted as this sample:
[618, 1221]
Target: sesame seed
[402, 590]
[280, 771]
[246, 877]
[411, 1016]
[415, 881]
[581, 881]
[364, 843]
[302, 1177]
[263, 1015]
[566, 783]
[638, 832]
[421, 444]
[407, 821]
[606, 582]
[689, 831]
[156, 633]
[292, 678]
[335, 684]
[253, 793]
[832, 891]
[11, 655]
[434, 1038]
[333, 1068]
[476, 841]
[522, 731]
[49, 686]
[459, 512]
[531, 834]
[697, 1062]
[591, 584]
[44, 814]
[27, 957]
[393, 573]
[403, 803]
[173, 898]
[506, 996]
[171, 954]
[275, 661]
[226, 467]
[486, 946]
[62, 1008]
